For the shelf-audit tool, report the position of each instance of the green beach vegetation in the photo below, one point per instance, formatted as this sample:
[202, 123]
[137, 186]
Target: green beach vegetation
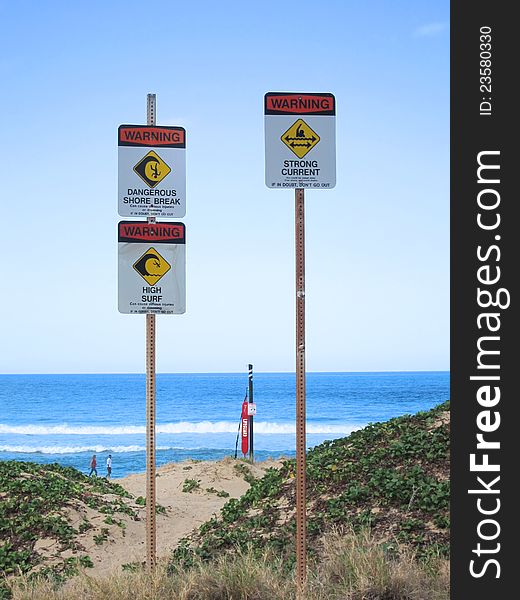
[391, 478]
[378, 528]
[50, 503]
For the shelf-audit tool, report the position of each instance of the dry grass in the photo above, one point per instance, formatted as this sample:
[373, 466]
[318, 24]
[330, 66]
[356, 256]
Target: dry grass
[355, 567]
[351, 567]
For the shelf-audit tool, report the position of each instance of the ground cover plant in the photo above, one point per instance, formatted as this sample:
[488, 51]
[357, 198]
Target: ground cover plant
[391, 477]
[45, 502]
[190, 485]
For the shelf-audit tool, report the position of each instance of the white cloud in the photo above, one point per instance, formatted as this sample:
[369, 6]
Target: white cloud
[430, 29]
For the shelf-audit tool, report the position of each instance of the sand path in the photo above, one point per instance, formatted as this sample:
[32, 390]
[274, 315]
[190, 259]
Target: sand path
[184, 511]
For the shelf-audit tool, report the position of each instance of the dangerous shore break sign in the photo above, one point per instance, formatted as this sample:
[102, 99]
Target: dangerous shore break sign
[152, 171]
[152, 268]
[300, 140]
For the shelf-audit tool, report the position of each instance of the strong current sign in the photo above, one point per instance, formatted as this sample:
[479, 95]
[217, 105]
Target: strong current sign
[300, 140]
[152, 268]
[152, 171]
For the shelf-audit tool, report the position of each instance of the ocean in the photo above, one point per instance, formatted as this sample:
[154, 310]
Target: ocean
[67, 418]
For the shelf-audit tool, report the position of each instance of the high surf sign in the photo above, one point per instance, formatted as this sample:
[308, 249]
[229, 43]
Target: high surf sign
[152, 267]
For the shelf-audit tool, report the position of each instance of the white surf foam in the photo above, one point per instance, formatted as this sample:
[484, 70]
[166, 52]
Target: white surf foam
[78, 449]
[202, 427]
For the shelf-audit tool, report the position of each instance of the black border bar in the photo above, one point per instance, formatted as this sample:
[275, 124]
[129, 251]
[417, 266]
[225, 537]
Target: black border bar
[484, 520]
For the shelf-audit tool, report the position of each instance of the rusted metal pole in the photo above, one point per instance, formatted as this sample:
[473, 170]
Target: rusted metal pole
[151, 536]
[301, 515]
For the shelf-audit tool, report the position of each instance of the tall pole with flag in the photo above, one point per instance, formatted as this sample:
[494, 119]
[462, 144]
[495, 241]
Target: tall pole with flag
[250, 380]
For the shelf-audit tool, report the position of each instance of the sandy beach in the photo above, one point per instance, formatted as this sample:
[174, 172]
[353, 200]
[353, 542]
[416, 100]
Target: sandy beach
[184, 511]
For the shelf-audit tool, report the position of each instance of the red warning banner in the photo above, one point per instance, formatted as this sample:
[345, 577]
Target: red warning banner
[142, 135]
[142, 231]
[281, 103]
[245, 428]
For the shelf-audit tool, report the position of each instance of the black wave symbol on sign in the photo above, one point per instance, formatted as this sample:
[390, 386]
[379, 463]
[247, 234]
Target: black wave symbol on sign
[140, 265]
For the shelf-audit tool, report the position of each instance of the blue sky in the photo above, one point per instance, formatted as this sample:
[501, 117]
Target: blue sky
[377, 245]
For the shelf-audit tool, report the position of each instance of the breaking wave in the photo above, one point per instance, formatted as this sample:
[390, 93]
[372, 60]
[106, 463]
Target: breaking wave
[202, 427]
[79, 449]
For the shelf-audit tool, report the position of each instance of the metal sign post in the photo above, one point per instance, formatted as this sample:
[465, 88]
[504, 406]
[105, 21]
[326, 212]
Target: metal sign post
[151, 535]
[300, 152]
[151, 255]
[250, 377]
[301, 514]
[150, 443]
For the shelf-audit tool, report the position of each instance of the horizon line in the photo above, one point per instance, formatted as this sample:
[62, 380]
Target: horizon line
[231, 372]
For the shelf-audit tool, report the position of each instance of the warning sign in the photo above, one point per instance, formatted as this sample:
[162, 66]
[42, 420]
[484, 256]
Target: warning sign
[152, 171]
[300, 140]
[152, 267]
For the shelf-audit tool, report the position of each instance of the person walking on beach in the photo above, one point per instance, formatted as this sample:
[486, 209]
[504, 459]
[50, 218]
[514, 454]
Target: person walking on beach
[109, 466]
[93, 466]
